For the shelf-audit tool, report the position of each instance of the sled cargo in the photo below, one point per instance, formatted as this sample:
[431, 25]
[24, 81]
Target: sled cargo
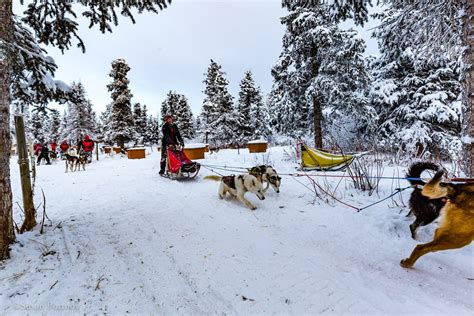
[314, 159]
[179, 166]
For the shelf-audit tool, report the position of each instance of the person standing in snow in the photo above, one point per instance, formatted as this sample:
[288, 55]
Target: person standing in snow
[88, 146]
[44, 155]
[171, 136]
[37, 148]
[64, 148]
[79, 145]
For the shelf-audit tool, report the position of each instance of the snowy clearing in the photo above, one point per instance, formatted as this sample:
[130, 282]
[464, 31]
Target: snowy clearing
[125, 240]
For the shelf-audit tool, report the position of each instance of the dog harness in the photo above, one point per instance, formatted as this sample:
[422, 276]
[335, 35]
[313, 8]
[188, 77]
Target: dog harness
[229, 181]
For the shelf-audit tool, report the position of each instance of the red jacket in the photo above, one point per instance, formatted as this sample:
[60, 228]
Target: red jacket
[53, 146]
[88, 144]
[64, 146]
[37, 148]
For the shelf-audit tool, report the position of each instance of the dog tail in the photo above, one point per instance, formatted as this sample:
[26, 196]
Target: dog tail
[433, 189]
[417, 169]
[213, 178]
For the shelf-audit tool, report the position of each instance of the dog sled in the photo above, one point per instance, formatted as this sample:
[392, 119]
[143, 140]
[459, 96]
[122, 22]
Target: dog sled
[314, 159]
[179, 166]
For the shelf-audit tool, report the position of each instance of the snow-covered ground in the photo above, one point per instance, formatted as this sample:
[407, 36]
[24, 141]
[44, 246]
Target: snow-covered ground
[124, 240]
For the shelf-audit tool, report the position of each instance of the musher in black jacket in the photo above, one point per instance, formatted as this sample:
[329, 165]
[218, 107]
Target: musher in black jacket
[171, 136]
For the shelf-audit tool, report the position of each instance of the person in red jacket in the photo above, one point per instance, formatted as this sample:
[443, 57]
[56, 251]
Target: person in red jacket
[88, 146]
[64, 148]
[37, 148]
[53, 146]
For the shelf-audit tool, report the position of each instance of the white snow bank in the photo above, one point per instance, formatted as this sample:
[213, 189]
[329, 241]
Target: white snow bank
[195, 145]
[258, 141]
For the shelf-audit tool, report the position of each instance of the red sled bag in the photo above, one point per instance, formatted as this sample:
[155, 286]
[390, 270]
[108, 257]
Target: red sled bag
[179, 166]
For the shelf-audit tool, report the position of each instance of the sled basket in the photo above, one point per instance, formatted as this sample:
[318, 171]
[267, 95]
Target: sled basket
[179, 166]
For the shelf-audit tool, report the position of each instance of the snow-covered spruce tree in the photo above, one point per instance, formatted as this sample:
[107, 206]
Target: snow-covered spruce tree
[39, 124]
[249, 97]
[105, 126]
[338, 9]
[177, 105]
[80, 117]
[418, 97]
[153, 136]
[321, 68]
[218, 119]
[54, 125]
[139, 121]
[121, 128]
[184, 117]
[168, 105]
[40, 16]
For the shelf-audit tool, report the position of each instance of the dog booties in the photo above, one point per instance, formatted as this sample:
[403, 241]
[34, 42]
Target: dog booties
[229, 181]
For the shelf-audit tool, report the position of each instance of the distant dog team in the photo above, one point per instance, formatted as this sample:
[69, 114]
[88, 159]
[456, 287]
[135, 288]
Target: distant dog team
[74, 163]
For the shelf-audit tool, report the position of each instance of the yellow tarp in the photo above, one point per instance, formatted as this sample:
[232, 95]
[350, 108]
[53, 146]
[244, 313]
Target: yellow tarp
[312, 158]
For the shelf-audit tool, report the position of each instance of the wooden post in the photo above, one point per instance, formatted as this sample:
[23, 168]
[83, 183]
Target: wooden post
[24, 162]
[97, 150]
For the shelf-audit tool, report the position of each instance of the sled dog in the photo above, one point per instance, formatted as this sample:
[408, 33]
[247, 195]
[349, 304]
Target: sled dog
[424, 209]
[457, 218]
[267, 174]
[237, 186]
[74, 163]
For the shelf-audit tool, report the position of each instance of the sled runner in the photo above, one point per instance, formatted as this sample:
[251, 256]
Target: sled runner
[179, 166]
[314, 159]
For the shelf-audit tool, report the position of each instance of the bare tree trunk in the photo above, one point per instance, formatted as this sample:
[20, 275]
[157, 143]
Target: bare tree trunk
[7, 234]
[317, 117]
[470, 84]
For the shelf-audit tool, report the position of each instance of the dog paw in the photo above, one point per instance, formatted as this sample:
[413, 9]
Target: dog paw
[406, 264]
[253, 208]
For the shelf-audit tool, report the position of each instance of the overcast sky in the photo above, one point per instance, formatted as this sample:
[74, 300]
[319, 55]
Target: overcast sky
[172, 50]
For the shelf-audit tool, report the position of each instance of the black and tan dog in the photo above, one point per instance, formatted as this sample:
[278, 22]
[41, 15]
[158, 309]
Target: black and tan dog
[424, 209]
[267, 174]
[457, 218]
[74, 163]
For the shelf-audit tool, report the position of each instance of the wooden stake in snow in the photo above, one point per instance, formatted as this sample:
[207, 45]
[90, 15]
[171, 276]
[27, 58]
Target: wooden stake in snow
[24, 162]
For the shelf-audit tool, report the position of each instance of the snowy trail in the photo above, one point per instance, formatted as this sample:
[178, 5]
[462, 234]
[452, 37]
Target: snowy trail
[131, 241]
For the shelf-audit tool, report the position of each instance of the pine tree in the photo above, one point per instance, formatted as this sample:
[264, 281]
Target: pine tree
[418, 97]
[218, 119]
[39, 124]
[321, 68]
[105, 126]
[249, 96]
[121, 127]
[184, 117]
[153, 131]
[54, 125]
[177, 106]
[168, 105]
[80, 117]
[137, 121]
[260, 117]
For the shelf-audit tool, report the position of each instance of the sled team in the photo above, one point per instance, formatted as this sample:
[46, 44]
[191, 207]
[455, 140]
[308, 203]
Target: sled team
[75, 157]
[452, 203]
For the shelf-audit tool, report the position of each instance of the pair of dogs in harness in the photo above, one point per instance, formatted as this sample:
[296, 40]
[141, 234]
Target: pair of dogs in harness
[253, 182]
